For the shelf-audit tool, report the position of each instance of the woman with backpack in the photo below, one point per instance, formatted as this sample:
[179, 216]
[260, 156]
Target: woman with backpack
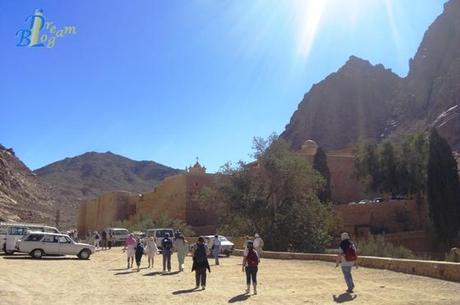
[139, 251]
[200, 263]
[347, 258]
[250, 266]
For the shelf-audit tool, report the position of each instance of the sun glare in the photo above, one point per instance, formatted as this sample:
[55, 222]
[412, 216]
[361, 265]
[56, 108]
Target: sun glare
[310, 15]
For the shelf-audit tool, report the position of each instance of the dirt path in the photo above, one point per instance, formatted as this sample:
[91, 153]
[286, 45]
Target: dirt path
[105, 280]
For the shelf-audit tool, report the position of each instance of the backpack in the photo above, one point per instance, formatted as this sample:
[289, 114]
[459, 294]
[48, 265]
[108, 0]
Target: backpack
[200, 253]
[252, 259]
[167, 244]
[350, 254]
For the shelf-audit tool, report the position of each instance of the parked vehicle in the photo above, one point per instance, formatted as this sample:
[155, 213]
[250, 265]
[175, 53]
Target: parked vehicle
[364, 201]
[119, 235]
[140, 235]
[379, 200]
[10, 233]
[38, 244]
[159, 234]
[226, 246]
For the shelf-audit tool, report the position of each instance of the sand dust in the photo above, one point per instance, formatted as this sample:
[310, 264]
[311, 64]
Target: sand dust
[104, 279]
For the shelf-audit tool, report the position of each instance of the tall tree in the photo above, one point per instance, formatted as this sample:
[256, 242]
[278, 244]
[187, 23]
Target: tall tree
[443, 189]
[320, 165]
[275, 196]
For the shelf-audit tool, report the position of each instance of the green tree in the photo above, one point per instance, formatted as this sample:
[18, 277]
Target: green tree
[320, 165]
[274, 196]
[443, 189]
[387, 163]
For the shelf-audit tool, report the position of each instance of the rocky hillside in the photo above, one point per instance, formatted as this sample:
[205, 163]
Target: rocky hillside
[353, 103]
[23, 197]
[91, 174]
[365, 101]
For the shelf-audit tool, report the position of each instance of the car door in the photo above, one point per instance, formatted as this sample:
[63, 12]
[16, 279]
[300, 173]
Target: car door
[50, 245]
[66, 247]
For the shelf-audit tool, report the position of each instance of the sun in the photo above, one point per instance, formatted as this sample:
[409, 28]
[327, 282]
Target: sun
[310, 15]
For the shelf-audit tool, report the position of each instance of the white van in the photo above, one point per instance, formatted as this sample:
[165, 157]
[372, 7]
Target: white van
[159, 234]
[119, 235]
[10, 233]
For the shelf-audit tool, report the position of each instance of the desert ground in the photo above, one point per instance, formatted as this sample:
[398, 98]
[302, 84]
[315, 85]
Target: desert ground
[104, 279]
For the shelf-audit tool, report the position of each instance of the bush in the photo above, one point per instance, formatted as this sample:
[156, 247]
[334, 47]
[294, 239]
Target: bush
[377, 246]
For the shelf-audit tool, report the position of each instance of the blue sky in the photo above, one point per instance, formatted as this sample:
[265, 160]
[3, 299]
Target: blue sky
[171, 80]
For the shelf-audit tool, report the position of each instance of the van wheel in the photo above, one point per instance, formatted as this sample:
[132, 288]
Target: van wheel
[84, 254]
[37, 253]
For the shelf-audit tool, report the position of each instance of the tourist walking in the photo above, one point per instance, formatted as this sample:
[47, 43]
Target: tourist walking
[347, 258]
[104, 240]
[139, 252]
[215, 248]
[258, 244]
[181, 246]
[97, 239]
[251, 266]
[200, 263]
[151, 250]
[167, 249]
[130, 246]
[109, 240]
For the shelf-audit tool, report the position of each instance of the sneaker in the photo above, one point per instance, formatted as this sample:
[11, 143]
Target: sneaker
[203, 288]
[350, 290]
[247, 290]
[255, 292]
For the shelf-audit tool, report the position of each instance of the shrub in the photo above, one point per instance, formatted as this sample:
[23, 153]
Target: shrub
[377, 246]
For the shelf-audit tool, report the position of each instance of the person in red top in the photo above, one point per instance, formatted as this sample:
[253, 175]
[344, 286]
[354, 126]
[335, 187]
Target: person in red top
[250, 266]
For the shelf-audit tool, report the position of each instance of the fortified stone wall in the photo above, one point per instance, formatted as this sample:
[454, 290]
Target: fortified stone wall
[176, 197]
[103, 211]
[391, 217]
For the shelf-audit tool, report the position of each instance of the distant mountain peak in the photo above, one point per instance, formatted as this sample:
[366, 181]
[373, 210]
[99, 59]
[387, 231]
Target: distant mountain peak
[362, 100]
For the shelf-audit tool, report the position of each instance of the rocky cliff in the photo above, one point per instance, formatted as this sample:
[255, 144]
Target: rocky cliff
[365, 101]
[23, 197]
[353, 103]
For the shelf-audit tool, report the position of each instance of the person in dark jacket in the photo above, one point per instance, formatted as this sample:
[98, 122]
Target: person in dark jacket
[200, 263]
[139, 251]
[167, 249]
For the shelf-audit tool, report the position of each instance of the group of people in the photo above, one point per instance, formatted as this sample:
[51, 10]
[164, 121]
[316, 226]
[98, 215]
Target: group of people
[101, 240]
[136, 248]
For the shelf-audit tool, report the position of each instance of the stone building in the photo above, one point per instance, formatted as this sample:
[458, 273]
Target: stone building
[175, 197]
[345, 187]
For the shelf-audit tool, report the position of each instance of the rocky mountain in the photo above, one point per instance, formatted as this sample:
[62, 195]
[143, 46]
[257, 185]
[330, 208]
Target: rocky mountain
[365, 101]
[23, 197]
[353, 103]
[91, 174]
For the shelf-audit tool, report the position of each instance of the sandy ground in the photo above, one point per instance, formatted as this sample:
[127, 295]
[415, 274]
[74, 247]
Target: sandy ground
[104, 279]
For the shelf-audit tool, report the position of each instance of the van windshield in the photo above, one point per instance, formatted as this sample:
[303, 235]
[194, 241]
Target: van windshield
[162, 233]
[120, 232]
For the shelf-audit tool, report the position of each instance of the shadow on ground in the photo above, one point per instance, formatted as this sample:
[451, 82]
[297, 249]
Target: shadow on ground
[239, 298]
[152, 273]
[344, 297]
[171, 273]
[126, 272]
[46, 258]
[185, 291]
